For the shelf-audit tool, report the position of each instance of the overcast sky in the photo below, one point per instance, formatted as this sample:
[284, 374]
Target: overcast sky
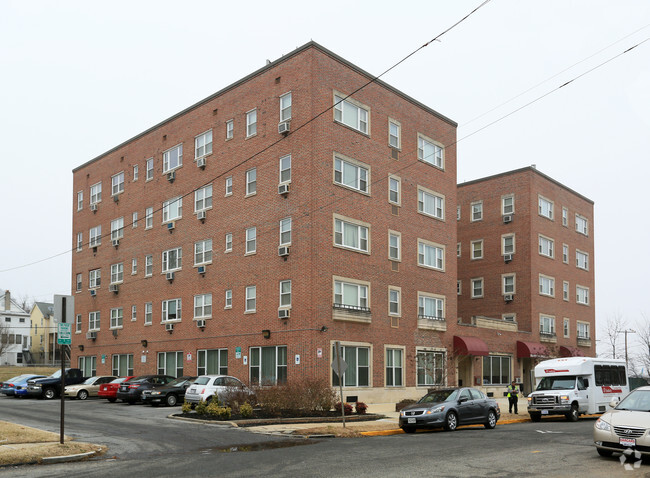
[79, 77]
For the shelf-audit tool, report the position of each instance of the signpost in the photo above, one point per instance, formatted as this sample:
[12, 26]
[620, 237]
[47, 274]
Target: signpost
[63, 308]
[339, 366]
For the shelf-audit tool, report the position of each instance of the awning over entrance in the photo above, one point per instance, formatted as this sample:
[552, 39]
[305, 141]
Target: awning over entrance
[570, 352]
[531, 349]
[470, 346]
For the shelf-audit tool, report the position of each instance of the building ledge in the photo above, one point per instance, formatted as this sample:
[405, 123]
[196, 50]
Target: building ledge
[549, 338]
[432, 324]
[584, 342]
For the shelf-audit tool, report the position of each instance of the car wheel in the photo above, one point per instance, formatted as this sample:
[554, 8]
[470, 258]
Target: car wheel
[536, 417]
[603, 452]
[171, 400]
[573, 415]
[82, 395]
[112, 400]
[131, 402]
[491, 420]
[408, 429]
[451, 422]
[49, 393]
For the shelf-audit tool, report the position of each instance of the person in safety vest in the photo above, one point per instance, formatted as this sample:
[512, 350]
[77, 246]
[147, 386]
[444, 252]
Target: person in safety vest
[513, 397]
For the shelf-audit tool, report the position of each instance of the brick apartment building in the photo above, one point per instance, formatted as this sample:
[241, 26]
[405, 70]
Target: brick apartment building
[249, 233]
[525, 276]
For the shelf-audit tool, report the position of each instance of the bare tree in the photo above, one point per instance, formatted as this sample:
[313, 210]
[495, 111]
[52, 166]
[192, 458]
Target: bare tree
[25, 303]
[4, 338]
[642, 329]
[614, 326]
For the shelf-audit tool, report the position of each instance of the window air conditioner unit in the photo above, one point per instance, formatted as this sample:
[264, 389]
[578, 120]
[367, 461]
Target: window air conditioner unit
[283, 128]
[200, 215]
[201, 270]
[171, 176]
[508, 297]
[93, 293]
[170, 276]
[283, 251]
[283, 313]
[93, 207]
[116, 242]
[507, 218]
[114, 288]
[200, 323]
[283, 189]
[169, 327]
[91, 335]
[171, 226]
[116, 198]
[200, 163]
[507, 258]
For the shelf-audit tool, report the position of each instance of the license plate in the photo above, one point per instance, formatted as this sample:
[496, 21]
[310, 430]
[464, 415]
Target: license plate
[411, 420]
[627, 441]
[544, 412]
[192, 390]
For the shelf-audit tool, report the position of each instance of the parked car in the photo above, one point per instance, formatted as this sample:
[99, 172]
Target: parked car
[626, 425]
[131, 392]
[89, 388]
[207, 386]
[20, 386]
[450, 408]
[8, 387]
[51, 387]
[109, 390]
[169, 394]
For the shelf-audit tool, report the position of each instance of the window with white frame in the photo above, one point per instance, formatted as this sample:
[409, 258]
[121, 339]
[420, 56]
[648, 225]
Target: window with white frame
[251, 240]
[228, 242]
[80, 241]
[148, 218]
[566, 328]
[350, 295]
[268, 365]
[134, 220]
[394, 133]
[211, 362]
[203, 198]
[458, 249]
[285, 169]
[203, 252]
[93, 321]
[134, 313]
[117, 273]
[285, 231]
[353, 175]
[496, 370]
[394, 246]
[430, 152]
[430, 307]
[149, 170]
[251, 181]
[582, 225]
[477, 249]
[77, 324]
[117, 318]
[565, 253]
[394, 367]
[545, 207]
[229, 186]
[431, 255]
[351, 235]
[136, 171]
[394, 303]
[203, 144]
[117, 228]
[117, 183]
[546, 285]
[228, 299]
[173, 158]
[431, 366]
[565, 290]
[285, 293]
[285, 107]
[357, 373]
[95, 236]
[394, 186]
[170, 363]
[351, 113]
[251, 298]
[172, 259]
[203, 306]
[508, 244]
[171, 310]
[96, 193]
[508, 204]
[173, 209]
[477, 211]
[230, 129]
[546, 325]
[122, 365]
[251, 123]
[148, 265]
[477, 288]
[431, 204]
[79, 282]
[546, 246]
[582, 295]
[582, 260]
[508, 283]
[583, 330]
[458, 212]
[94, 278]
[148, 313]
[80, 200]
[565, 217]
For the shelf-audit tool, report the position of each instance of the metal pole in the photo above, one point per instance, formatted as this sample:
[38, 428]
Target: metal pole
[62, 439]
[338, 364]
[626, 331]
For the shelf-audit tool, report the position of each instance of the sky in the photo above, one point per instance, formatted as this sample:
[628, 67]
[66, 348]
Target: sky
[80, 77]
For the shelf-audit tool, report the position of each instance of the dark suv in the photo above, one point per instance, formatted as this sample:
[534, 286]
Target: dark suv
[131, 391]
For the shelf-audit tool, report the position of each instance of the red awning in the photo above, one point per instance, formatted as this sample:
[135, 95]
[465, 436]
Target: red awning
[570, 352]
[470, 346]
[531, 349]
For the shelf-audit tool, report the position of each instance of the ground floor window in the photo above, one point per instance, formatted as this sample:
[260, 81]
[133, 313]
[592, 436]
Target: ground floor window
[123, 365]
[19, 357]
[496, 370]
[394, 367]
[430, 368]
[357, 373]
[170, 363]
[212, 362]
[88, 366]
[268, 365]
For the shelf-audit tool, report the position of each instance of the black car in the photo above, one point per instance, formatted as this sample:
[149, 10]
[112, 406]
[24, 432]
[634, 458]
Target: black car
[450, 408]
[169, 394]
[131, 391]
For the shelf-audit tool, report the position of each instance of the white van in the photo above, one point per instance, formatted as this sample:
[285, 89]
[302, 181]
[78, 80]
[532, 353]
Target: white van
[576, 385]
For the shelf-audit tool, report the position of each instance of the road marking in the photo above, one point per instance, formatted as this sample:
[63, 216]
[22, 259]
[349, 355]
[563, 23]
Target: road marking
[547, 431]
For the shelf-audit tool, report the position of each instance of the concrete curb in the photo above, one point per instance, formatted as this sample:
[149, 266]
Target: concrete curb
[398, 431]
[66, 458]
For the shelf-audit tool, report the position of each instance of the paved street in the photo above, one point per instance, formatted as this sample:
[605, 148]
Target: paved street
[144, 442]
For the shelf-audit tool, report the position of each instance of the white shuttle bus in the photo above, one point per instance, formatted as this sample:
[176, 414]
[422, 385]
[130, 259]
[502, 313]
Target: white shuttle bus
[576, 385]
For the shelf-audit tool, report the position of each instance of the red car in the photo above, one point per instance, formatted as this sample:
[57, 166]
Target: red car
[109, 390]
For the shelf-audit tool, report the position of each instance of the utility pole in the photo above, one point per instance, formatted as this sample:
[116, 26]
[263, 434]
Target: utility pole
[627, 331]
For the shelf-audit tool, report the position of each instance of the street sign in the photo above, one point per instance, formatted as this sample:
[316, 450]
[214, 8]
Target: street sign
[62, 314]
[339, 370]
[64, 335]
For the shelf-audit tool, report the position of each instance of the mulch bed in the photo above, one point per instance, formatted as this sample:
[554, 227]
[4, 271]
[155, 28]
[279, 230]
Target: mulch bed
[259, 419]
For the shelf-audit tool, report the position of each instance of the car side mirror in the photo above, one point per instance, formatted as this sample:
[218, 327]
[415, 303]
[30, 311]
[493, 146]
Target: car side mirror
[463, 399]
[613, 403]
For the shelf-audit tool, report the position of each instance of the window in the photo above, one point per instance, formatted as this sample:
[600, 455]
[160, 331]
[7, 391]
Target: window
[430, 307]
[351, 235]
[79, 282]
[496, 370]
[351, 113]
[477, 249]
[394, 367]
[202, 306]
[431, 255]
[431, 204]
[228, 299]
[348, 295]
[459, 287]
[285, 107]
[582, 295]
[394, 246]
[173, 209]
[477, 211]
[203, 252]
[88, 365]
[230, 129]
[135, 172]
[394, 186]
[123, 365]
[212, 362]
[350, 174]
[565, 253]
[172, 259]
[116, 318]
[285, 231]
[583, 330]
[285, 293]
[251, 298]
[565, 290]
[545, 207]
[228, 242]
[394, 134]
[80, 241]
[566, 328]
[546, 285]
[80, 200]
[508, 244]
[251, 240]
[173, 158]
[431, 367]
[546, 325]
[582, 260]
[117, 273]
[134, 220]
[546, 246]
[394, 306]
[565, 217]
[77, 324]
[508, 284]
[117, 183]
[117, 228]
[228, 185]
[285, 169]
[582, 225]
[203, 198]
[507, 205]
[134, 313]
[268, 365]
[170, 363]
[358, 372]
[251, 123]
[251, 181]
[93, 321]
[171, 310]
[96, 193]
[203, 144]
[148, 265]
[458, 249]
[458, 212]
[149, 172]
[148, 218]
[94, 278]
[430, 152]
[148, 313]
[477, 288]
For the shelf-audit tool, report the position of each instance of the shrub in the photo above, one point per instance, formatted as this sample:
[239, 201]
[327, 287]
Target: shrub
[212, 408]
[246, 410]
[299, 397]
[224, 413]
[347, 407]
[361, 408]
[403, 403]
[186, 407]
[201, 408]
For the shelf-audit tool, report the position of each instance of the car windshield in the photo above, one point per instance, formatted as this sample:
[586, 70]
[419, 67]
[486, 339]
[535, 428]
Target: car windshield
[637, 400]
[179, 381]
[439, 396]
[119, 380]
[202, 380]
[90, 381]
[56, 374]
[142, 378]
[557, 383]
[15, 379]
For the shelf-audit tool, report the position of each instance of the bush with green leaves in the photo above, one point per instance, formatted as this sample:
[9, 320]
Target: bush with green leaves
[186, 407]
[201, 408]
[246, 410]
